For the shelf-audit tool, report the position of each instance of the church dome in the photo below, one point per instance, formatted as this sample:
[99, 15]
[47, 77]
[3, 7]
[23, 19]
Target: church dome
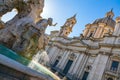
[108, 19]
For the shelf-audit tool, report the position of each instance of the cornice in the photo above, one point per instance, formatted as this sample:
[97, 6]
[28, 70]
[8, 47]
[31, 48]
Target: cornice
[109, 45]
[105, 53]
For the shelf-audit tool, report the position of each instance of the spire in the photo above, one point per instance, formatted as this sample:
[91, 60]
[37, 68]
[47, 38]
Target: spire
[66, 29]
[111, 10]
[74, 16]
[72, 19]
[110, 14]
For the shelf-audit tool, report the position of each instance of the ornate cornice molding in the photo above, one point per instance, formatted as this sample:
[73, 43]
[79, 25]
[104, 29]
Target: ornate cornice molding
[105, 53]
[109, 45]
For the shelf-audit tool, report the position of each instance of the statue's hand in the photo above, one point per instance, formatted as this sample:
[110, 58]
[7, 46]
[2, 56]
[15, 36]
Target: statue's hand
[55, 24]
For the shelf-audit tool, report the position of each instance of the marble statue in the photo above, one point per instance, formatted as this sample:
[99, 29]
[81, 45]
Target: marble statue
[25, 33]
[42, 24]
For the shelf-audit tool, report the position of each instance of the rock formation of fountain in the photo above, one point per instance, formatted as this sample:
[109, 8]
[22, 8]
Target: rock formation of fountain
[25, 33]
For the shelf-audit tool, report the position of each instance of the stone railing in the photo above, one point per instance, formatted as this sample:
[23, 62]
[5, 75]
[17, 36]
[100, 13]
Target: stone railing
[112, 71]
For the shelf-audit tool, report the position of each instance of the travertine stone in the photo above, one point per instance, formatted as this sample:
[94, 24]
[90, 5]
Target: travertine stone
[97, 47]
[63, 59]
[98, 67]
[25, 33]
[117, 27]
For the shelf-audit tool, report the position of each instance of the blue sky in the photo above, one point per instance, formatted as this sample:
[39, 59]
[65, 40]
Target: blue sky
[87, 11]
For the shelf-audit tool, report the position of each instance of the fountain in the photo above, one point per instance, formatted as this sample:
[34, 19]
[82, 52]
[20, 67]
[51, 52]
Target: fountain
[24, 36]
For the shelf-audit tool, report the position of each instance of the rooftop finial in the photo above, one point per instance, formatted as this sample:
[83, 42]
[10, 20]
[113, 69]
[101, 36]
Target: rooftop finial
[75, 15]
[110, 13]
[112, 10]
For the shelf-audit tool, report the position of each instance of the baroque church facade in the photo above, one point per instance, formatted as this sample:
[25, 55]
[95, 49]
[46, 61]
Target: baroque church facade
[94, 55]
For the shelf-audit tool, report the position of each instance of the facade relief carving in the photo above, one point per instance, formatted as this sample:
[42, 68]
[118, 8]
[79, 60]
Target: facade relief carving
[72, 56]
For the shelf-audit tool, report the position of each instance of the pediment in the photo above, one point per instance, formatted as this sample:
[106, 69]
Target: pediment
[77, 43]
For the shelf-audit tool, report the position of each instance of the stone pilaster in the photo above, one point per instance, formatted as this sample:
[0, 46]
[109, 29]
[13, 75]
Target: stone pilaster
[82, 65]
[117, 27]
[55, 55]
[62, 60]
[65, 60]
[77, 65]
[60, 54]
[85, 33]
[73, 64]
[99, 30]
[98, 67]
[52, 52]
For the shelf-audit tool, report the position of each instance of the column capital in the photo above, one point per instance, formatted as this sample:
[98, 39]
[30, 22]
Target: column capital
[118, 19]
[105, 53]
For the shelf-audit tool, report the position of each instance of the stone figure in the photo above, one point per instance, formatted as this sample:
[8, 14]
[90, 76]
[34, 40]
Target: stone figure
[25, 33]
[42, 24]
[28, 12]
[26, 44]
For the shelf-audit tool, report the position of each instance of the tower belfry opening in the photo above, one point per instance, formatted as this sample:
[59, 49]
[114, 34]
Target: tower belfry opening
[66, 29]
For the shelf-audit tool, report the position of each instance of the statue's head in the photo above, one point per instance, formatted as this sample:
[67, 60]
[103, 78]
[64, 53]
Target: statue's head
[50, 20]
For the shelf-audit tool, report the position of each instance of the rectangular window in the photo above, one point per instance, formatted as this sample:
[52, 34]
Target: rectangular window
[114, 65]
[85, 75]
[56, 62]
[67, 67]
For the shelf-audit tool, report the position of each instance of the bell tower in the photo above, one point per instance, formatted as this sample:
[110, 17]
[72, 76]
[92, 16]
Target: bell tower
[66, 29]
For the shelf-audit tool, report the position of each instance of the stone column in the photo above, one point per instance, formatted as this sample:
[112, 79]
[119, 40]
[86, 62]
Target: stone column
[55, 55]
[61, 62]
[61, 53]
[82, 65]
[85, 33]
[79, 64]
[98, 67]
[104, 31]
[80, 57]
[99, 30]
[117, 27]
[52, 52]
[73, 64]
[64, 59]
